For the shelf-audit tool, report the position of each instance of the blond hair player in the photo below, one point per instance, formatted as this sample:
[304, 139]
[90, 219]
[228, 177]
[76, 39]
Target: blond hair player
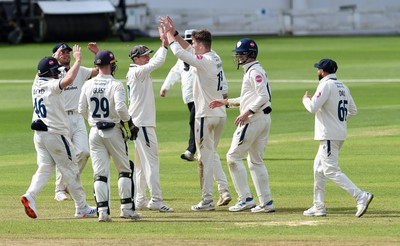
[207, 86]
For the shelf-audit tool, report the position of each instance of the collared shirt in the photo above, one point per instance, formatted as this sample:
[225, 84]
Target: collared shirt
[332, 104]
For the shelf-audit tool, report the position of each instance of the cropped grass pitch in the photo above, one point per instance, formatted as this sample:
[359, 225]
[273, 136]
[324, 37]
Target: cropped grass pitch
[370, 156]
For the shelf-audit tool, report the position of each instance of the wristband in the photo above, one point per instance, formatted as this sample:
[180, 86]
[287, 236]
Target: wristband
[176, 33]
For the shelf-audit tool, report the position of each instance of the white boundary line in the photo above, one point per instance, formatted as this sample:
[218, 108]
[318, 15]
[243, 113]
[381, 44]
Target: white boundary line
[272, 81]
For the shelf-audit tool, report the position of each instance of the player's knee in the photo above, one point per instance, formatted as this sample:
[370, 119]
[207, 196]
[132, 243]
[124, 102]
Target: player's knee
[125, 175]
[232, 163]
[99, 178]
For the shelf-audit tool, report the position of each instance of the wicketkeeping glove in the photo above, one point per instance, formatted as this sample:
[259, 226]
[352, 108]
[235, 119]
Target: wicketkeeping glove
[129, 130]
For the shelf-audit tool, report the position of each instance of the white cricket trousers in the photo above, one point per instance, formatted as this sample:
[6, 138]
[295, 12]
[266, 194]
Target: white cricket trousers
[80, 140]
[326, 166]
[251, 138]
[147, 165]
[54, 149]
[208, 131]
[105, 144]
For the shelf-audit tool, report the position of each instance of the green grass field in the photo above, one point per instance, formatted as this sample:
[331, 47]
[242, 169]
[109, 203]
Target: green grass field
[370, 156]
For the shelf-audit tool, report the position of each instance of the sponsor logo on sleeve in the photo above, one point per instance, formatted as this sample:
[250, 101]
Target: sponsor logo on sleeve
[259, 79]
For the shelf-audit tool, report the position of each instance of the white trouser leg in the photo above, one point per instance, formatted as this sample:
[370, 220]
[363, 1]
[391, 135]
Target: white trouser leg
[208, 132]
[328, 156]
[79, 138]
[60, 150]
[147, 150]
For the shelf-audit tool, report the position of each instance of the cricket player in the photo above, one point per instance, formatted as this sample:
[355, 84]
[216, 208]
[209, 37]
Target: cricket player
[77, 126]
[207, 86]
[252, 132]
[186, 73]
[52, 142]
[102, 103]
[143, 112]
[332, 105]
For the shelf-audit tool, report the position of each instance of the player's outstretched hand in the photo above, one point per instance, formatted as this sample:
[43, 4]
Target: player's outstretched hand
[92, 46]
[77, 52]
[306, 95]
[171, 24]
[218, 103]
[163, 36]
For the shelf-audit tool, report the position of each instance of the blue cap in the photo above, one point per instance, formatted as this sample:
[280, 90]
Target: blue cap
[47, 64]
[104, 57]
[66, 47]
[327, 65]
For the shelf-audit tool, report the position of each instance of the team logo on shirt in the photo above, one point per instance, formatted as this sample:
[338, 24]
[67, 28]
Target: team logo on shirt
[259, 79]
[200, 57]
[319, 94]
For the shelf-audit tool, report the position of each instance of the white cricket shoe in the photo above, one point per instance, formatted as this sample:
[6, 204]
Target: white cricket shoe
[314, 211]
[241, 206]
[29, 204]
[104, 216]
[61, 196]
[160, 205]
[87, 212]
[141, 204]
[363, 203]
[266, 208]
[187, 155]
[224, 199]
[203, 206]
[127, 213]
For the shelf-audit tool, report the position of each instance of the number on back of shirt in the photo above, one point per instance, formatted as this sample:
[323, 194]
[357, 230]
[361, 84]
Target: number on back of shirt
[101, 107]
[40, 108]
[342, 110]
[220, 76]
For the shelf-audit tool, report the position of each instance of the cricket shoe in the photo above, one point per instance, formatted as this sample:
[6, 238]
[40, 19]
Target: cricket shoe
[141, 204]
[363, 203]
[87, 212]
[314, 211]
[203, 206]
[266, 208]
[130, 214]
[241, 206]
[224, 199]
[160, 206]
[187, 155]
[61, 196]
[104, 216]
[29, 204]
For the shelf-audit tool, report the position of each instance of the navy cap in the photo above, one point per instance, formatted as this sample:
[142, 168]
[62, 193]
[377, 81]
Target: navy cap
[47, 64]
[327, 65]
[104, 57]
[66, 47]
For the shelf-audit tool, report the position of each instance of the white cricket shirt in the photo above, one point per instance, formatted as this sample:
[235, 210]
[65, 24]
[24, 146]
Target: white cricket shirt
[142, 106]
[332, 105]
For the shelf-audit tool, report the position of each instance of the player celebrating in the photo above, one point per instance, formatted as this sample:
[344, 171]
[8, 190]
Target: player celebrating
[143, 112]
[252, 132]
[102, 102]
[206, 87]
[332, 104]
[77, 126]
[185, 72]
[51, 137]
